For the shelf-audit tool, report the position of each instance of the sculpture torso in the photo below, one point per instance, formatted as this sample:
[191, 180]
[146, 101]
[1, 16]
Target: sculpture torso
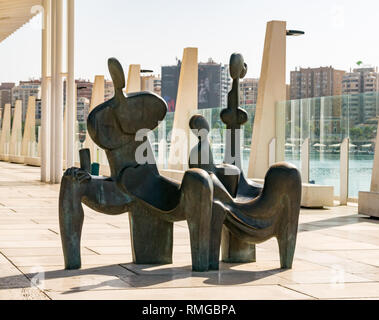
[114, 124]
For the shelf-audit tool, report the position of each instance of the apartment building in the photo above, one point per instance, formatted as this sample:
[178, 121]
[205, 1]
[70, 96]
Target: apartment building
[362, 86]
[248, 91]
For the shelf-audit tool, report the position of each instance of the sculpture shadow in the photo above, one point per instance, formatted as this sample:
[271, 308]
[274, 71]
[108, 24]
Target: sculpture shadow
[333, 222]
[142, 278]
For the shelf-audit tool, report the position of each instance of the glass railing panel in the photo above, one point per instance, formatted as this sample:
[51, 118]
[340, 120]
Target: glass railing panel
[327, 121]
[217, 136]
[247, 135]
[292, 144]
[326, 139]
[363, 123]
[160, 140]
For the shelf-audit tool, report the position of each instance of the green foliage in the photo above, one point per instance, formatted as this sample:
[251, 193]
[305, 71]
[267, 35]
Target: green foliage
[364, 133]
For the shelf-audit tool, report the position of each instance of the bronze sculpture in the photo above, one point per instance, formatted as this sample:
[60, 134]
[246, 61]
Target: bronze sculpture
[209, 197]
[113, 125]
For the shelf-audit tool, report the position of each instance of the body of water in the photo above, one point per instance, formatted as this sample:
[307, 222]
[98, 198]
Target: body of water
[325, 170]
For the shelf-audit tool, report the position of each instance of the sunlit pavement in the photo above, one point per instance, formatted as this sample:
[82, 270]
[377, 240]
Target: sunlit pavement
[337, 255]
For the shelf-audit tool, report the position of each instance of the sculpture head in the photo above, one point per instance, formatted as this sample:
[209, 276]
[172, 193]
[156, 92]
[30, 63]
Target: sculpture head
[199, 126]
[237, 66]
[233, 116]
[114, 122]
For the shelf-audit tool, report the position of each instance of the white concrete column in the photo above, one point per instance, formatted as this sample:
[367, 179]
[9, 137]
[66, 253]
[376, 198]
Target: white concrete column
[29, 137]
[162, 145]
[53, 86]
[322, 127]
[71, 98]
[271, 90]
[186, 103]
[58, 114]
[97, 98]
[45, 114]
[375, 168]
[293, 124]
[134, 78]
[16, 135]
[272, 152]
[5, 133]
[304, 157]
[344, 171]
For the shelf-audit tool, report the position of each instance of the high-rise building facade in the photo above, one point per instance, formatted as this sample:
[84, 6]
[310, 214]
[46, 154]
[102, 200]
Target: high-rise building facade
[82, 109]
[6, 93]
[151, 83]
[108, 90]
[248, 91]
[316, 82]
[213, 84]
[362, 86]
[169, 85]
[23, 91]
[84, 88]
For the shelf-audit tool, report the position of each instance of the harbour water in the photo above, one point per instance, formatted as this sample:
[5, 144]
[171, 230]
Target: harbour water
[325, 170]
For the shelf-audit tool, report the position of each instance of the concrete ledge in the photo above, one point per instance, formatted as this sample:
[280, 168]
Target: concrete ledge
[16, 159]
[176, 175]
[33, 161]
[4, 157]
[368, 203]
[314, 195]
[317, 196]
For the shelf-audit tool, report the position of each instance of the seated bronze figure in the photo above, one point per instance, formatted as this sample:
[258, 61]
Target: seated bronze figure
[272, 210]
[207, 198]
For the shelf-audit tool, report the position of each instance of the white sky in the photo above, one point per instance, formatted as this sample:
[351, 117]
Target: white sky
[153, 33]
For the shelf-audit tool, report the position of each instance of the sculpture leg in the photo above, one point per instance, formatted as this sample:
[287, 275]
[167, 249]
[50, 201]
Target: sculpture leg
[235, 250]
[287, 236]
[197, 196]
[218, 218]
[284, 184]
[152, 238]
[71, 218]
[100, 194]
[287, 244]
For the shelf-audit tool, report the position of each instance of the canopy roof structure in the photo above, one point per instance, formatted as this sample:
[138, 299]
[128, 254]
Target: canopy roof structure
[15, 13]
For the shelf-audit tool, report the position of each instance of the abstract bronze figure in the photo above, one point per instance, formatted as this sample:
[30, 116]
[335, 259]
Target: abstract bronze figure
[216, 200]
[153, 202]
[268, 211]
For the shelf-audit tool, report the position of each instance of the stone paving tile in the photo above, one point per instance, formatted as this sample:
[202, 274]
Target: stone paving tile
[339, 290]
[322, 276]
[30, 252]
[92, 259]
[58, 272]
[85, 282]
[22, 294]
[206, 279]
[337, 255]
[269, 292]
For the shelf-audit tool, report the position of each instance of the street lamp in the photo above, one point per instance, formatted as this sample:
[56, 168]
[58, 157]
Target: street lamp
[295, 33]
[146, 71]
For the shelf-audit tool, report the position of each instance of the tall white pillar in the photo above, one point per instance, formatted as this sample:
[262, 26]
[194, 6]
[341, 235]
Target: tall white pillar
[134, 78]
[186, 105]
[53, 86]
[344, 171]
[304, 159]
[45, 114]
[272, 89]
[71, 98]
[58, 114]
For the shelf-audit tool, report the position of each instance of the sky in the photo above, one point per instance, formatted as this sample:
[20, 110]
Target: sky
[153, 33]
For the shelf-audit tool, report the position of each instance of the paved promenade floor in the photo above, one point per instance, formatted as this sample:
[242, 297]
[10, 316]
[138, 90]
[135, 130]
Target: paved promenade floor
[337, 255]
